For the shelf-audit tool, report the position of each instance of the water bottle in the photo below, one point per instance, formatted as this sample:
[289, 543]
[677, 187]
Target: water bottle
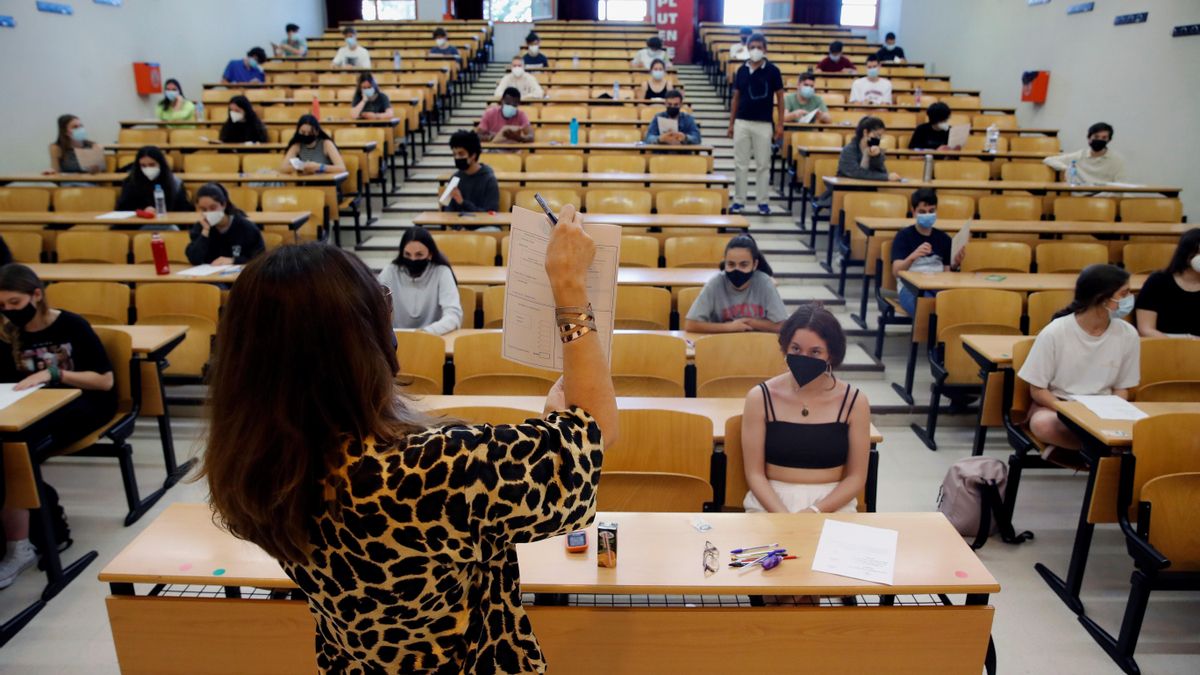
[927, 175]
[396, 59]
[200, 110]
[993, 138]
[158, 249]
[160, 202]
[1073, 175]
[616, 91]
[574, 131]
[575, 61]
[917, 96]
[316, 107]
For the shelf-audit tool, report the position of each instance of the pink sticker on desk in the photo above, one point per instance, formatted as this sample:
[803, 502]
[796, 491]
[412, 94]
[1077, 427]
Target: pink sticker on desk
[185, 567]
[219, 571]
[960, 574]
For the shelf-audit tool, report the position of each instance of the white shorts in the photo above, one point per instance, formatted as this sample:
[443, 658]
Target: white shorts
[797, 497]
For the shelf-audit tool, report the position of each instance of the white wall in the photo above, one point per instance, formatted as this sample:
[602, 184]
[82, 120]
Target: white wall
[1137, 78]
[430, 10]
[508, 38]
[82, 64]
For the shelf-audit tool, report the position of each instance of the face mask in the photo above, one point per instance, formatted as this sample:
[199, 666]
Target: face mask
[737, 277]
[873, 141]
[1124, 307]
[368, 92]
[21, 317]
[672, 111]
[943, 126]
[461, 163]
[807, 91]
[306, 139]
[756, 55]
[658, 74]
[351, 41]
[835, 57]
[79, 134]
[890, 45]
[235, 116]
[151, 172]
[171, 94]
[1098, 144]
[441, 42]
[214, 217]
[806, 368]
[534, 49]
[415, 268]
[508, 111]
[518, 71]
[872, 72]
[926, 220]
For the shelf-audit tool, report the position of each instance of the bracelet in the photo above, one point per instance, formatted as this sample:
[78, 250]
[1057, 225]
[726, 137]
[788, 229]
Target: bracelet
[55, 374]
[814, 509]
[321, 169]
[574, 333]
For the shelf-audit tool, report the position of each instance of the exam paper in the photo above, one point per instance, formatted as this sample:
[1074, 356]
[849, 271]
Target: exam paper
[809, 116]
[1111, 407]
[667, 125]
[209, 270]
[958, 135]
[116, 215]
[960, 240]
[445, 198]
[530, 331]
[856, 551]
[9, 396]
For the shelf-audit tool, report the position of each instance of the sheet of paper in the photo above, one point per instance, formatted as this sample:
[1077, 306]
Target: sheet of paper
[116, 215]
[667, 125]
[959, 241]
[1111, 407]
[445, 198]
[808, 117]
[209, 270]
[8, 396]
[530, 331]
[856, 551]
[958, 135]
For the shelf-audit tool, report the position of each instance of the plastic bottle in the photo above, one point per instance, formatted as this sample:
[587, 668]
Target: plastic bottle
[1073, 175]
[200, 110]
[158, 249]
[160, 202]
[993, 138]
[927, 175]
[616, 91]
[316, 107]
[574, 131]
[575, 61]
[396, 59]
[917, 96]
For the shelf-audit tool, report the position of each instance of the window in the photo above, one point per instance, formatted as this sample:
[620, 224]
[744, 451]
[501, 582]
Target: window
[743, 13]
[622, 10]
[508, 10]
[389, 10]
[859, 12]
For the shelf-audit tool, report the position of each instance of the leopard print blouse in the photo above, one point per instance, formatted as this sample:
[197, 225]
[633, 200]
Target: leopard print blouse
[415, 571]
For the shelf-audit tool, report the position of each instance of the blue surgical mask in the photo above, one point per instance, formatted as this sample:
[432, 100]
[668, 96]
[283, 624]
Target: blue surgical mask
[926, 220]
[368, 92]
[807, 91]
[1124, 307]
[351, 42]
[872, 72]
[79, 134]
[658, 74]
[508, 111]
[171, 94]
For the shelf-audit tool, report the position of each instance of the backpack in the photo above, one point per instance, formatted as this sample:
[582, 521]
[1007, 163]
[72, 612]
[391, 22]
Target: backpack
[971, 498]
[58, 523]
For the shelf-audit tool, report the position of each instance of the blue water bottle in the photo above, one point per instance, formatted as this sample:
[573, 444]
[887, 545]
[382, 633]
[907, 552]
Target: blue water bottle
[574, 131]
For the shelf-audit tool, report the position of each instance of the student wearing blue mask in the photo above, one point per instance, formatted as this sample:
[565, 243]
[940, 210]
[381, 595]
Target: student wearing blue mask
[505, 123]
[352, 54]
[174, 105]
[921, 247]
[247, 69]
[742, 298]
[872, 89]
[1088, 349]
[441, 44]
[72, 151]
[800, 103]
[369, 103]
[293, 46]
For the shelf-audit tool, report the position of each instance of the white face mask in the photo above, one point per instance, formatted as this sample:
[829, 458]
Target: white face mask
[441, 42]
[943, 126]
[1196, 262]
[534, 49]
[235, 116]
[151, 172]
[756, 55]
[214, 217]
[518, 71]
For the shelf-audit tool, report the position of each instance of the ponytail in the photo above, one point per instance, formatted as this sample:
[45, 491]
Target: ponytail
[747, 242]
[1095, 285]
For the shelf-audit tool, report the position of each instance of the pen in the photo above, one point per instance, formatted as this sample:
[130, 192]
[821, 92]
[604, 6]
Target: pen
[759, 554]
[545, 207]
[746, 564]
[754, 548]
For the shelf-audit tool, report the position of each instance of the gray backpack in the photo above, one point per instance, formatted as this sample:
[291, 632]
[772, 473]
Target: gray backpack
[972, 499]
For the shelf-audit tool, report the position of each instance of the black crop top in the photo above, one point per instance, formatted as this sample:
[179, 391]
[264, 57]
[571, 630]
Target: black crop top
[808, 446]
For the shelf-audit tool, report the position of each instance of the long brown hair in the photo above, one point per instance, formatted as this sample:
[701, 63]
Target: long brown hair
[304, 362]
[64, 140]
[17, 278]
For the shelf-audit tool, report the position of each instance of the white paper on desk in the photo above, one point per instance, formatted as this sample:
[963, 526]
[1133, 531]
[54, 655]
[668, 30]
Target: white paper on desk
[856, 551]
[116, 215]
[9, 396]
[958, 135]
[445, 198]
[530, 331]
[666, 125]
[809, 116]
[1124, 185]
[959, 241]
[1111, 407]
[207, 270]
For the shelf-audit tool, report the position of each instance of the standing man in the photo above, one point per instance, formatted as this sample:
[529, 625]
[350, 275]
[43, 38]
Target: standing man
[756, 112]
[1097, 164]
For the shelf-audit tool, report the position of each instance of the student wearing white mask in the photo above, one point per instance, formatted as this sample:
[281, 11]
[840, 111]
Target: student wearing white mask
[151, 170]
[223, 235]
[369, 103]
[505, 123]
[934, 134]
[658, 83]
[647, 55]
[522, 81]
[534, 58]
[175, 106]
[243, 125]
[836, 62]
[1169, 302]
[755, 119]
[352, 54]
[890, 52]
[441, 44]
[872, 89]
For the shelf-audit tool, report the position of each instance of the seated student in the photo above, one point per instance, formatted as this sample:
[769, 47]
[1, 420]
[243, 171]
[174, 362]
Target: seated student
[175, 106]
[312, 146]
[441, 44]
[505, 123]
[687, 131]
[889, 52]
[72, 152]
[369, 103]
[806, 436]
[835, 62]
[1097, 164]
[149, 171]
[477, 187]
[533, 57]
[293, 46]
[863, 157]
[351, 54]
[1086, 350]
[872, 89]
[742, 298]
[243, 124]
[521, 80]
[934, 134]
[740, 50]
[247, 69]
[921, 247]
[52, 348]
[1169, 303]
[223, 235]
[422, 285]
[804, 100]
[653, 51]
[658, 83]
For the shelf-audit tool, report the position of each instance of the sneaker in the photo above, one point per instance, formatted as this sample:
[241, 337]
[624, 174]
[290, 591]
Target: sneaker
[21, 557]
[764, 209]
[735, 208]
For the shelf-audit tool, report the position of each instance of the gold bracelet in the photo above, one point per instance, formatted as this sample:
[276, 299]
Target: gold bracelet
[575, 334]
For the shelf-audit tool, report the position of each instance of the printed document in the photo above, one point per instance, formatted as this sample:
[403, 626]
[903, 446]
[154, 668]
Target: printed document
[1111, 407]
[856, 551]
[9, 396]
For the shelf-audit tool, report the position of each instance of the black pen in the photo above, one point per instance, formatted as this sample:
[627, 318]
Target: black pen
[545, 207]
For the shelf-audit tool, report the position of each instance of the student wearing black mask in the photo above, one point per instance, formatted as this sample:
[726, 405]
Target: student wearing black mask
[312, 149]
[742, 298]
[422, 286]
[806, 435]
[1097, 163]
[477, 189]
[687, 131]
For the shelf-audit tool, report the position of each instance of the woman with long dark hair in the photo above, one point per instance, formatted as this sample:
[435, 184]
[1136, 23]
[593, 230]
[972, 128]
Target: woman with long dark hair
[71, 142]
[1169, 302]
[1088, 349]
[400, 529]
[174, 106]
[312, 148]
[423, 287]
[223, 235]
[742, 298]
[863, 157]
[150, 170]
[243, 124]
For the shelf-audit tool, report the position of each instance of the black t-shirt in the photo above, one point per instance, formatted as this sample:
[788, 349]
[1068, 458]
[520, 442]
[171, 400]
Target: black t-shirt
[242, 241]
[539, 60]
[138, 193]
[69, 343]
[243, 132]
[756, 102]
[375, 105]
[884, 54]
[928, 137]
[1178, 310]
[909, 239]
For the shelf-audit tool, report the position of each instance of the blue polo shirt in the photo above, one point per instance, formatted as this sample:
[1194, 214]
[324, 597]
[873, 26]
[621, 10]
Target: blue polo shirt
[238, 71]
[757, 88]
[448, 50]
[539, 60]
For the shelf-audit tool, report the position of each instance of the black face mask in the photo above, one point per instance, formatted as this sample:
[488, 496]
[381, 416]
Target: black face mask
[461, 163]
[21, 317]
[415, 268]
[672, 111]
[872, 141]
[737, 277]
[306, 139]
[806, 368]
[1098, 144]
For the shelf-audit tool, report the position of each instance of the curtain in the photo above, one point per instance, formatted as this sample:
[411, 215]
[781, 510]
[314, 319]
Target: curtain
[340, 11]
[816, 11]
[710, 10]
[578, 10]
[468, 9]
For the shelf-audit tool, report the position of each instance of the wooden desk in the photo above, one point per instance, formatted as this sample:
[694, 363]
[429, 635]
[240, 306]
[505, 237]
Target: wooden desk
[584, 178]
[996, 186]
[631, 276]
[904, 128]
[657, 556]
[993, 354]
[184, 219]
[445, 219]
[689, 338]
[587, 148]
[20, 415]
[126, 274]
[304, 180]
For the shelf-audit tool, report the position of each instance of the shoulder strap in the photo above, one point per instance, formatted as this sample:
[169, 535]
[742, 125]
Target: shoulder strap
[770, 407]
[843, 407]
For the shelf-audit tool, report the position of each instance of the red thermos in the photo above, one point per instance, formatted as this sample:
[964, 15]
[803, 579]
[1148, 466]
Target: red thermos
[158, 248]
[316, 107]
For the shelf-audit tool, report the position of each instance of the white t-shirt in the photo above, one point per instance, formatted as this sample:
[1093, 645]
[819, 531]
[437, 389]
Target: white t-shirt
[863, 90]
[738, 52]
[358, 57]
[1066, 360]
